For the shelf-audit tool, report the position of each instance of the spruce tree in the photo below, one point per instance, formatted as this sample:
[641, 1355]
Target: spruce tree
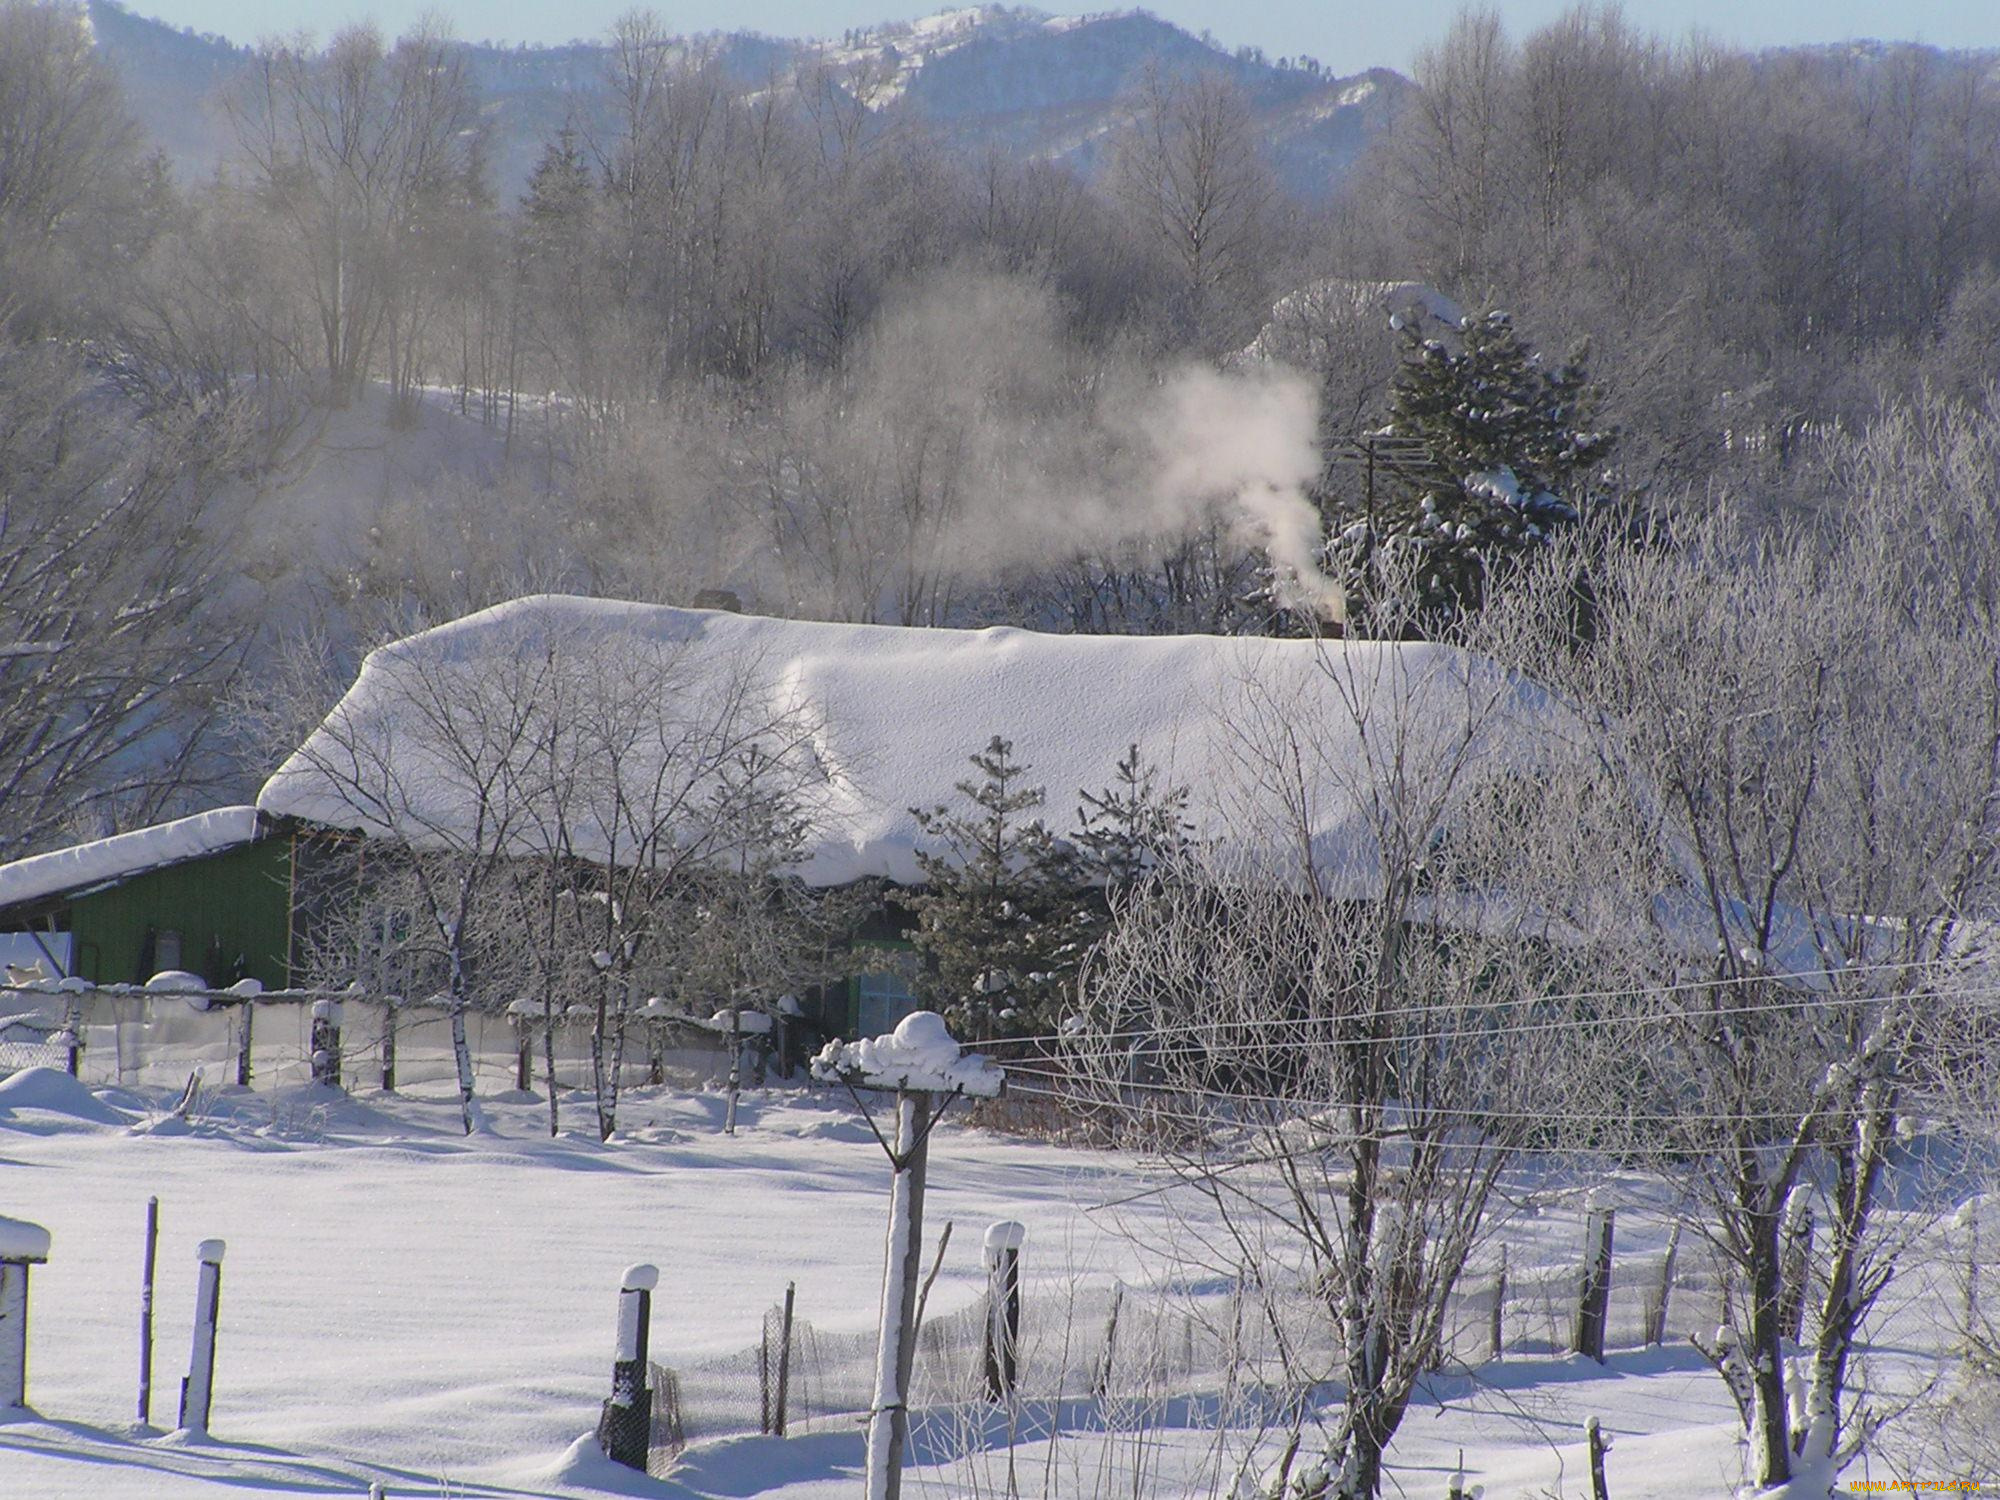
[1001, 925]
[1130, 827]
[1509, 456]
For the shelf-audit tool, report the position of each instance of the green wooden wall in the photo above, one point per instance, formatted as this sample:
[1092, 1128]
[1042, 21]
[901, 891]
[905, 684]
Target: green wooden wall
[240, 898]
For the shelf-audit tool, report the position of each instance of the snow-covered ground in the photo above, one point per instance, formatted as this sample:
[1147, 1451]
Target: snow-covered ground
[405, 1305]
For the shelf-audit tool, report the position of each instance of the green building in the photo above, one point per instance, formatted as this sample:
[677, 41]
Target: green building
[211, 895]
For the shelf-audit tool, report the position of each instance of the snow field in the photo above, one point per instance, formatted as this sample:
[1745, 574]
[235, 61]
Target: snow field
[405, 1305]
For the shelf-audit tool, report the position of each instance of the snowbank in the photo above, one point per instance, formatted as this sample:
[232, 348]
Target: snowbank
[892, 713]
[126, 855]
[51, 1092]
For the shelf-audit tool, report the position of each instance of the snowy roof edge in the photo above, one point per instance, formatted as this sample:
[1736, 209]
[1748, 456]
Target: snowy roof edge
[125, 855]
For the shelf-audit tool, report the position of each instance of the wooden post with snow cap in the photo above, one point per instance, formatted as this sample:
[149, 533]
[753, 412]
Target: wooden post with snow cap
[326, 1019]
[1599, 1445]
[245, 1039]
[391, 1004]
[1003, 1307]
[926, 1069]
[21, 1245]
[70, 1038]
[735, 1064]
[198, 1390]
[625, 1432]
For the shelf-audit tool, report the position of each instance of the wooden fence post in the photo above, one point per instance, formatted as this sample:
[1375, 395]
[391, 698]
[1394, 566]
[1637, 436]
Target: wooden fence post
[244, 1035]
[1456, 1489]
[390, 1005]
[523, 1015]
[785, 1358]
[1599, 1446]
[735, 1065]
[21, 1245]
[146, 1313]
[1795, 1260]
[198, 1390]
[1594, 1292]
[326, 1018]
[1003, 1307]
[625, 1430]
[1496, 1340]
[70, 1038]
[1656, 1314]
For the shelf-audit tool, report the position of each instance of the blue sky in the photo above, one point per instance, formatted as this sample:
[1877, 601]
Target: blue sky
[1345, 35]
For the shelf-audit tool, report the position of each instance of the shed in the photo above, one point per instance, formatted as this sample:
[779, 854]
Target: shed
[211, 894]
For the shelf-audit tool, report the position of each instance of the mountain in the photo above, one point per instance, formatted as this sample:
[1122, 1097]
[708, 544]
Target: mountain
[1027, 84]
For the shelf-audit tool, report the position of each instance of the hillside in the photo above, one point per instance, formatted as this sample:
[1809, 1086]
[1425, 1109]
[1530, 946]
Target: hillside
[1016, 80]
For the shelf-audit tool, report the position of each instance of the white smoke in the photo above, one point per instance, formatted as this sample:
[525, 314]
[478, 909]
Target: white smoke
[1250, 438]
[974, 437]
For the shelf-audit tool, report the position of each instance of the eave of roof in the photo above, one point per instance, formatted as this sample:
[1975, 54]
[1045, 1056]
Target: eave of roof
[106, 862]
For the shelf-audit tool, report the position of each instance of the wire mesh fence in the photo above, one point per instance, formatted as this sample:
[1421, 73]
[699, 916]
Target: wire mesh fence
[1128, 1361]
[140, 1039]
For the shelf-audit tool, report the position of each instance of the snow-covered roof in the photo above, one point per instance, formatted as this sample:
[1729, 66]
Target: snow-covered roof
[102, 861]
[892, 714]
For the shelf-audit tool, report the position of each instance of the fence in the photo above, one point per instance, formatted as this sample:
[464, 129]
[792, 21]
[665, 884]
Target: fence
[150, 1039]
[1129, 1360]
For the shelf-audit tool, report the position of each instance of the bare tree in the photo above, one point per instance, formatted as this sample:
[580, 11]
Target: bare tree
[115, 640]
[1305, 1028]
[358, 150]
[1188, 171]
[1806, 727]
[66, 146]
[537, 738]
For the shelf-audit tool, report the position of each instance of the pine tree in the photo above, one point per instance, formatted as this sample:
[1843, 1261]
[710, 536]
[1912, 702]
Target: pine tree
[1001, 921]
[1130, 827]
[1510, 455]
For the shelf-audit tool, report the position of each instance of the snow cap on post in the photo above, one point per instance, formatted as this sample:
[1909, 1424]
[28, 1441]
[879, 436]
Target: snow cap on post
[920, 1055]
[22, 1242]
[1007, 1234]
[640, 1278]
[209, 1252]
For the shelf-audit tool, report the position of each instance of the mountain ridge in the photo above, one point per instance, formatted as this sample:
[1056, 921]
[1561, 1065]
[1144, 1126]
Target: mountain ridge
[1021, 81]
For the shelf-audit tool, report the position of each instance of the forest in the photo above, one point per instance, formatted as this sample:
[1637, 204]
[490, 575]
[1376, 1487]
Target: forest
[754, 340]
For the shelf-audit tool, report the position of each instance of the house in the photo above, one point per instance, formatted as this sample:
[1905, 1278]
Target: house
[210, 894]
[446, 739]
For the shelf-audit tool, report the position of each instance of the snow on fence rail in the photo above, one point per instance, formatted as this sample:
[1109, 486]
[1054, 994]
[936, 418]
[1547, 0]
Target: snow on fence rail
[138, 1038]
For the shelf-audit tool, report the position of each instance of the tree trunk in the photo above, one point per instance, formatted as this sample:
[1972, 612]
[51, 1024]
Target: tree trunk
[549, 1059]
[1860, 1167]
[1770, 1426]
[461, 1054]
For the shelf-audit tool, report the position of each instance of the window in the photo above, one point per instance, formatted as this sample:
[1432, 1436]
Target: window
[882, 997]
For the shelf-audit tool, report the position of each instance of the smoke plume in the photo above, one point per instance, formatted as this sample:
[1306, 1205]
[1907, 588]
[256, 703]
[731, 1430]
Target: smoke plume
[1251, 438]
